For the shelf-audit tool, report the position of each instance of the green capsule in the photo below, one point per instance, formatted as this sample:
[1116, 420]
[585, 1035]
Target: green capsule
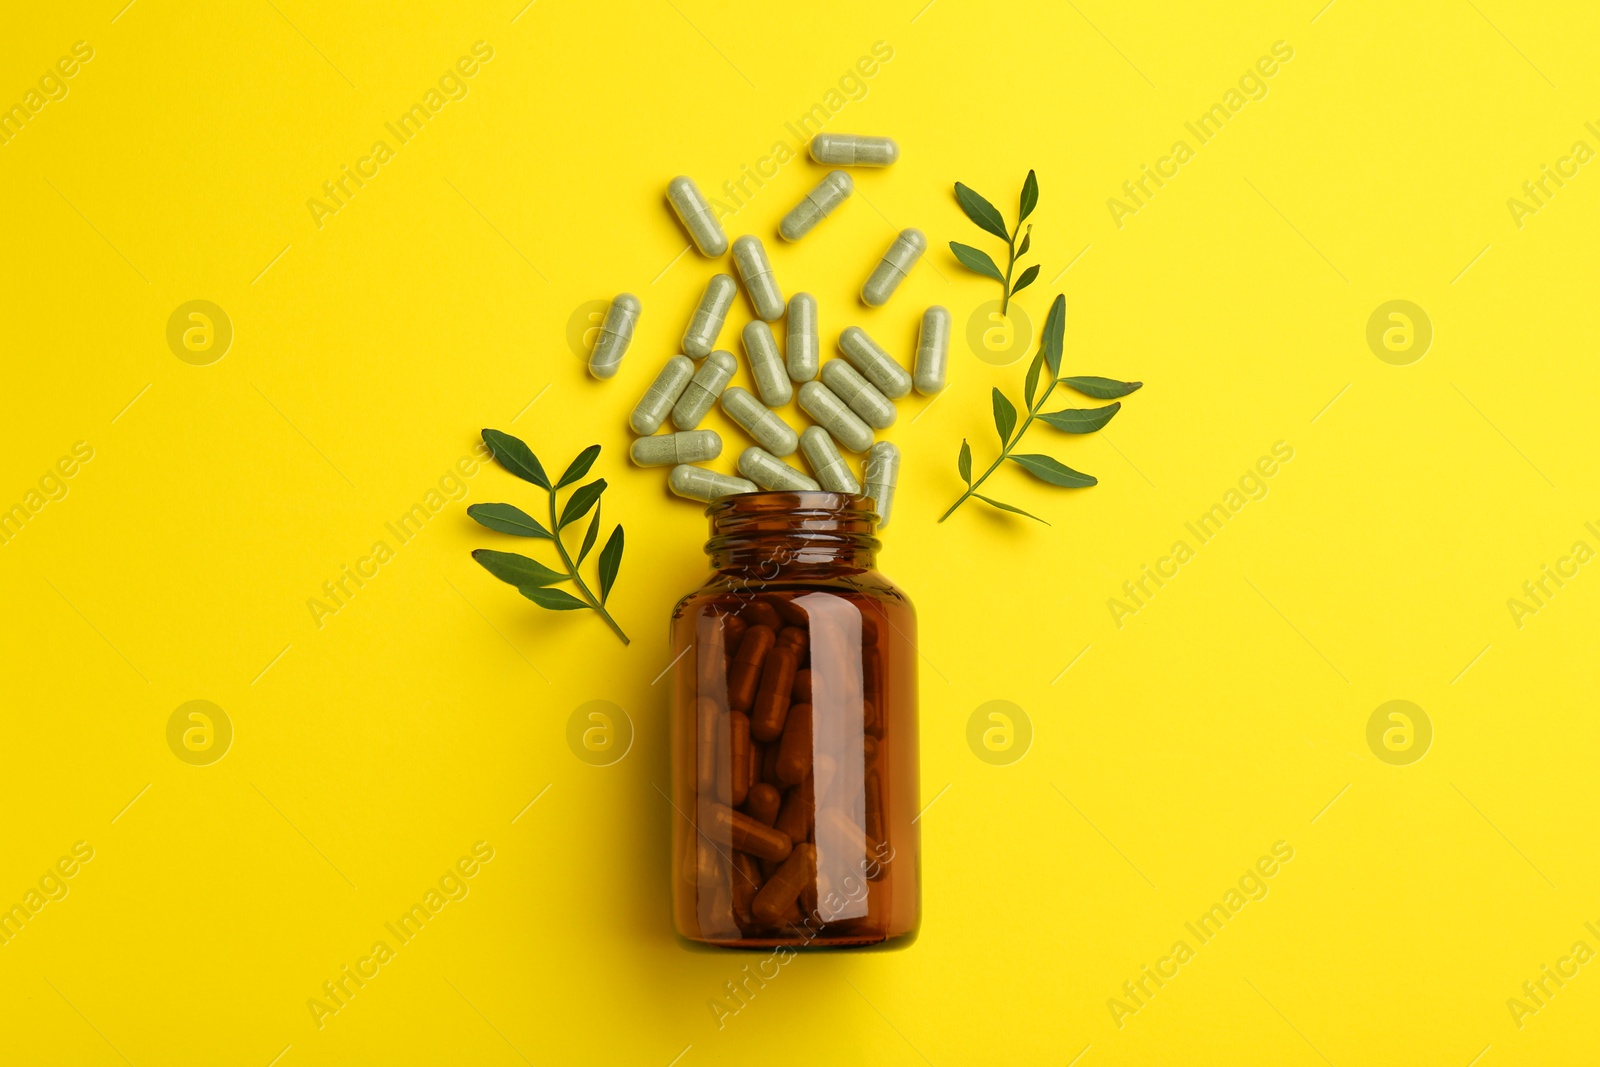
[823, 455]
[697, 483]
[875, 409]
[818, 401]
[710, 315]
[874, 363]
[766, 365]
[893, 268]
[933, 351]
[881, 472]
[818, 205]
[770, 432]
[801, 352]
[756, 271]
[652, 408]
[615, 334]
[685, 446]
[697, 216]
[770, 472]
[703, 389]
[854, 150]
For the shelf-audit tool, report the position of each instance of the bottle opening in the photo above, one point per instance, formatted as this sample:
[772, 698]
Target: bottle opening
[784, 529]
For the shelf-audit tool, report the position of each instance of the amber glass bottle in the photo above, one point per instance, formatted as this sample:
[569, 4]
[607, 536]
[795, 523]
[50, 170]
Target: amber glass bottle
[794, 733]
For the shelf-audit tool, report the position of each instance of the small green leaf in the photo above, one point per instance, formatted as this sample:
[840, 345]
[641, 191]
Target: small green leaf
[1005, 417]
[1027, 242]
[1030, 196]
[579, 467]
[551, 599]
[517, 570]
[977, 261]
[507, 518]
[964, 462]
[1048, 470]
[1081, 420]
[578, 504]
[1055, 327]
[588, 538]
[1101, 388]
[1026, 280]
[1032, 384]
[982, 212]
[610, 562]
[1008, 507]
[516, 457]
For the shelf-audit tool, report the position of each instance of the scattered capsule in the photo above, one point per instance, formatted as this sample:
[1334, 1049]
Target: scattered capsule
[801, 352]
[696, 216]
[875, 409]
[893, 267]
[874, 363]
[832, 471]
[766, 365]
[703, 389]
[710, 315]
[652, 408]
[697, 483]
[820, 402]
[685, 446]
[933, 351]
[881, 472]
[770, 472]
[770, 432]
[756, 271]
[818, 205]
[615, 334]
[854, 150]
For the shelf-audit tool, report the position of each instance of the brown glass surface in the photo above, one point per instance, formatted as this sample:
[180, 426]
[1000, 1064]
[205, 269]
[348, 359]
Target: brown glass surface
[795, 693]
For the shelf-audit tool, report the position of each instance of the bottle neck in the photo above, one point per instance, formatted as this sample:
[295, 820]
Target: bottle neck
[772, 536]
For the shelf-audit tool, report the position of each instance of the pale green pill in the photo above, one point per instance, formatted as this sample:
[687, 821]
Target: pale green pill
[770, 432]
[818, 205]
[853, 150]
[696, 215]
[875, 409]
[703, 329]
[703, 389]
[818, 401]
[803, 348]
[615, 334]
[823, 455]
[664, 392]
[770, 472]
[756, 271]
[766, 365]
[685, 446]
[697, 483]
[893, 268]
[881, 472]
[933, 351]
[874, 363]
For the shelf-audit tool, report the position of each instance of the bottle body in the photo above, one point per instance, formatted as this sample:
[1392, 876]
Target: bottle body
[794, 734]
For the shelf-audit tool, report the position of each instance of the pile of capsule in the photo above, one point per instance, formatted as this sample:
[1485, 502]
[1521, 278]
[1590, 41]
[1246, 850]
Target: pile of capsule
[848, 398]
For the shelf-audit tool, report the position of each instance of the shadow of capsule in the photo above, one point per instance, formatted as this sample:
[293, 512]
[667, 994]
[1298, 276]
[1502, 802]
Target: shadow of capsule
[583, 325]
[999, 732]
[199, 332]
[599, 733]
[199, 733]
[1399, 733]
[1399, 332]
[999, 340]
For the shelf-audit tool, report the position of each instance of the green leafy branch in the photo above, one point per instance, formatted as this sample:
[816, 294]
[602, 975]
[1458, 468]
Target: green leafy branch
[1067, 420]
[532, 578]
[989, 219]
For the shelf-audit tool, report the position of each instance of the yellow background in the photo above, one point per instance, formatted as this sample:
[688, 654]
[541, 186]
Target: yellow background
[1229, 713]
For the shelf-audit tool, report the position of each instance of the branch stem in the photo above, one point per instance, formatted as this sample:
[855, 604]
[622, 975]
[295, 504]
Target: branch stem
[577, 580]
[1005, 450]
